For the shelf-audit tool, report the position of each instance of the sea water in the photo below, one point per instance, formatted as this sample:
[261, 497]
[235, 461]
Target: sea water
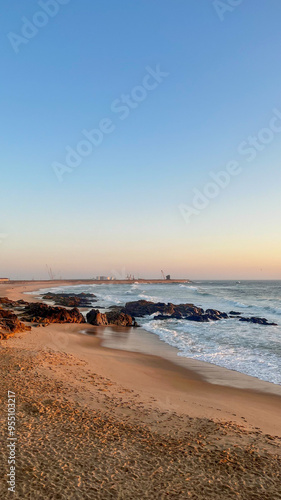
[245, 347]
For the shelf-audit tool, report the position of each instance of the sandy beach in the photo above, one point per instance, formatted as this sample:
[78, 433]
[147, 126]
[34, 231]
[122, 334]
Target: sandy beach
[115, 413]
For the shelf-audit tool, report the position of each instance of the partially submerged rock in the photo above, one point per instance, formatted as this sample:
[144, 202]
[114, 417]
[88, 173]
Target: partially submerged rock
[95, 317]
[190, 312]
[140, 308]
[259, 321]
[10, 324]
[42, 313]
[214, 315]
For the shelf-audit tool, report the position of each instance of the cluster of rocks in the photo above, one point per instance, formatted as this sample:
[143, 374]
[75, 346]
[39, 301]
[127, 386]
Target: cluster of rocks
[39, 313]
[12, 304]
[141, 308]
[10, 324]
[190, 312]
[70, 299]
[253, 319]
[259, 321]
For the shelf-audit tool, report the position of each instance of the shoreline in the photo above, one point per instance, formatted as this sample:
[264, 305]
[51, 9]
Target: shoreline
[148, 343]
[140, 340]
[172, 387]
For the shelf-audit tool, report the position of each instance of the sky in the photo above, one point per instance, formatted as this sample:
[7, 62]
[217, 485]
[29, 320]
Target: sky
[138, 136]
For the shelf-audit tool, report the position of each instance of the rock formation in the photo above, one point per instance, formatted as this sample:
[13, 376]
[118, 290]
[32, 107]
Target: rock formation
[71, 299]
[10, 324]
[259, 321]
[190, 312]
[95, 317]
[12, 304]
[142, 308]
[42, 313]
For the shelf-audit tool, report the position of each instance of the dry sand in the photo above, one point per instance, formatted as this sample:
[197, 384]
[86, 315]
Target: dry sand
[97, 423]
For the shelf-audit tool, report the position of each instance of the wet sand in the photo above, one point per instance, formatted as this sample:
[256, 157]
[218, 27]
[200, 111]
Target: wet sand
[96, 420]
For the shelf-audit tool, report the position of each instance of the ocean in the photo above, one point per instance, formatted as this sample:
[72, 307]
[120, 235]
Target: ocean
[245, 347]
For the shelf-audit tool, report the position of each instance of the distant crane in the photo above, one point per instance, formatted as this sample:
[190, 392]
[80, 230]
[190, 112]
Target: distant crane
[130, 277]
[167, 277]
[50, 272]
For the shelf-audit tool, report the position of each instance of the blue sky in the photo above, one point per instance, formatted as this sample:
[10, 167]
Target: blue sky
[119, 209]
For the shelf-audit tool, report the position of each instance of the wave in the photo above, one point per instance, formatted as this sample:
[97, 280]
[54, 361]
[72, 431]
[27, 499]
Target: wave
[145, 296]
[274, 310]
[111, 299]
[242, 353]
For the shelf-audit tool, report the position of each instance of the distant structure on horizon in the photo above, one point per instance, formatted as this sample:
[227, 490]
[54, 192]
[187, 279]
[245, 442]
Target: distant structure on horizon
[105, 278]
[4, 280]
[167, 277]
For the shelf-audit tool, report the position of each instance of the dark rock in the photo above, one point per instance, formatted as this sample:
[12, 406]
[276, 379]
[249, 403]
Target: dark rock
[169, 316]
[10, 324]
[162, 316]
[192, 317]
[202, 318]
[190, 312]
[259, 321]
[81, 295]
[95, 317]
[122, 319]
[42, 313]
[176, 315]
[71, 299]
[140, 308]
[215, 315]
[187, 309]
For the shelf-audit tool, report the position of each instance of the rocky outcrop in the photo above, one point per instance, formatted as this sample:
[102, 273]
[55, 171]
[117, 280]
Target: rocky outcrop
[95, 317]
[214, 315]
[259, 321]
[71, 299]
[42, 313]
[187, 312]
[12, 304]
[141, 308]
[121, 319]
[10, 324]
[209, 315]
